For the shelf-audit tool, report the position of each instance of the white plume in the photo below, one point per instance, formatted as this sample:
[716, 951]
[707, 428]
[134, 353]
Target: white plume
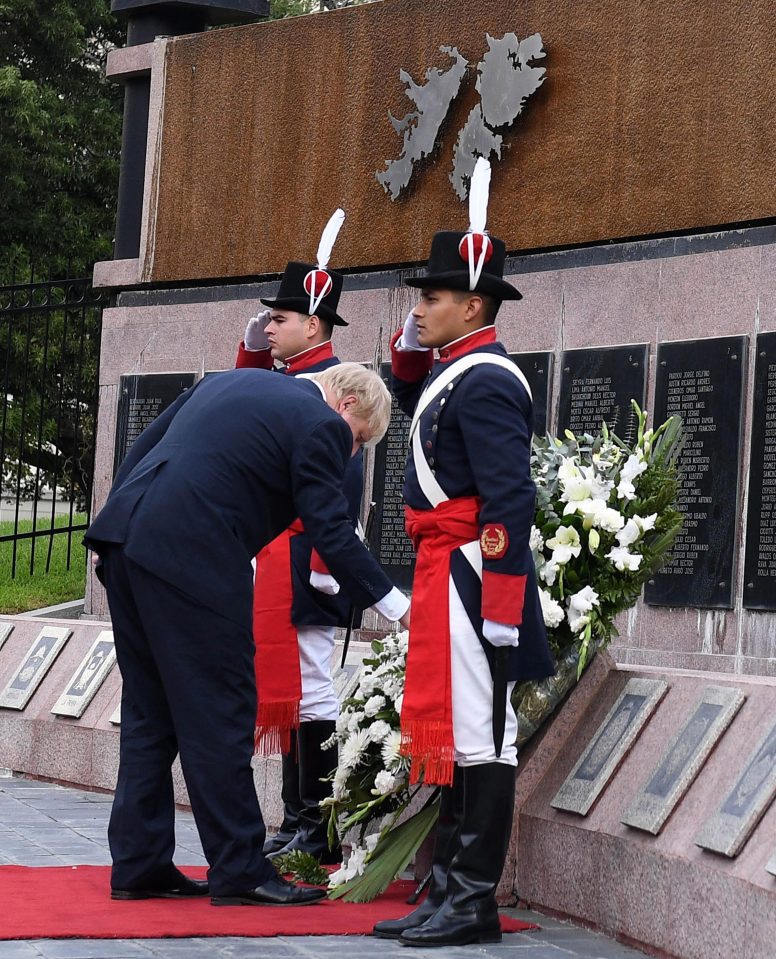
[328, 237]
[479, 189]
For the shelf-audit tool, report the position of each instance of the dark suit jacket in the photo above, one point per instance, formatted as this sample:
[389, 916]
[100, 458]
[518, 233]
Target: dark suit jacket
[220, 474]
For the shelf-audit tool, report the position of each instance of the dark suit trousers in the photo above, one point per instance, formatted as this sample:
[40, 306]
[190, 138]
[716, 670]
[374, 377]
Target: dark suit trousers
[188, 688]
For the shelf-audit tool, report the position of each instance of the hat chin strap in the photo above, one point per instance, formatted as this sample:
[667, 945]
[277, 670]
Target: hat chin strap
[475, 272]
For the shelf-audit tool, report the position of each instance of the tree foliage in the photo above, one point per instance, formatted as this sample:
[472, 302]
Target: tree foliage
[60, 132]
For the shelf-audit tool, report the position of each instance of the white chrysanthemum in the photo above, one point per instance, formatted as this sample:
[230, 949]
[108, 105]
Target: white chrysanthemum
[397, 703]
[366, 685]
[342, 721]
[353, 749]
[552, 611]
[564, 544]
[404, 642]
[384, 783]
[373, 705]
[579, 606]
[392, 687]
[536, 541]
[378, 730]
[609, 519]
[339, 788]
[354, 721]
[624, 560]
[391, 751]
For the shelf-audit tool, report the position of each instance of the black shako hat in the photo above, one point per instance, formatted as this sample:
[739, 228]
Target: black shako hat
[312, 288]
[472, 261]
[448, 267]
[305, 288]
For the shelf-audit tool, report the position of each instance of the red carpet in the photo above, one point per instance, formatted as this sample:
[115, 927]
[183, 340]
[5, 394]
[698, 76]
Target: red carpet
[73, 902]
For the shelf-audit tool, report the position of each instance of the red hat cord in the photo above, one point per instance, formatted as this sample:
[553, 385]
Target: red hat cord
[318, 283]
[476, 248]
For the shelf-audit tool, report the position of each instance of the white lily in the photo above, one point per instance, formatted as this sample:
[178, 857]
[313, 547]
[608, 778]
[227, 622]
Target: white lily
[579, 606]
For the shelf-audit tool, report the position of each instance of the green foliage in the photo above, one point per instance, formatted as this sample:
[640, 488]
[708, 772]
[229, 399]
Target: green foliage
[302, 867]
[60, 133]
[32, 591]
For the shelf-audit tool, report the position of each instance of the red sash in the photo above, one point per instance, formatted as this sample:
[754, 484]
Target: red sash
[278, 675]
[427, 709]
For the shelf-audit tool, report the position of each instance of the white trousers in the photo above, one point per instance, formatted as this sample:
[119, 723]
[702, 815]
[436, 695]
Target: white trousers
[316, 646]
[473, 695]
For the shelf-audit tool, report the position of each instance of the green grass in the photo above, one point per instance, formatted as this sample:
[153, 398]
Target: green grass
[59, 585]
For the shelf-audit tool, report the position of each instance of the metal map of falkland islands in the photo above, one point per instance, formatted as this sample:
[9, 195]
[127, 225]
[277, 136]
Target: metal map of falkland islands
[36, 663]
[88, 677]
[614, 738]
[733, 823]
[505, 80]
[684, 758]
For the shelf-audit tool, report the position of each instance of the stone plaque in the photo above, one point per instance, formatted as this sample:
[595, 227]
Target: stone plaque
[771, 866]
[390, 544]
[684, 758]
[88, 678]
[141, 399]
[537, 369]
[615, 736]
[5, 632]
[597, 386]
[742, 809]
[36, 663]
[702, 382]
[760, 563]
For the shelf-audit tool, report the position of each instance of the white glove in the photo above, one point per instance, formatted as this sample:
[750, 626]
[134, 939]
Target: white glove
[324, 583]
[409, 337]
[255, 338]
[500, 634]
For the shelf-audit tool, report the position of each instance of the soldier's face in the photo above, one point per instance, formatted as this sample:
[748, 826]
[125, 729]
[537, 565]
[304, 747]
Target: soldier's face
[441, 317]
[287, 333]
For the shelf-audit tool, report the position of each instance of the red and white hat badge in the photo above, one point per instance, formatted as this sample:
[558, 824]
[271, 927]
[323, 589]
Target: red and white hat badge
[318, 283]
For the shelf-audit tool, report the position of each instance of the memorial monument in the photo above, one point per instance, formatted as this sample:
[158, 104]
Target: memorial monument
[632, 182]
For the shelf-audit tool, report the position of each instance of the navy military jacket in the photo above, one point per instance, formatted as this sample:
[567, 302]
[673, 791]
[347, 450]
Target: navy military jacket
[476, 437]
[310, 607]
[220, 474]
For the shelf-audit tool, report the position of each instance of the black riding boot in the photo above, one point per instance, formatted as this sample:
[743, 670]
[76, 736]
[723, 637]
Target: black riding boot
[292, 804]
[445, 846]
[469, 912]
[314, 764]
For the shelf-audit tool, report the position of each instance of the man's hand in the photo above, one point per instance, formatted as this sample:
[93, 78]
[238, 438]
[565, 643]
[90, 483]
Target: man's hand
[409, 336]
[500, 634]
[255, 337]
[324, 583]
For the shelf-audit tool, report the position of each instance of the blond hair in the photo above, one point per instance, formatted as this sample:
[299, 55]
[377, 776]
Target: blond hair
[373, 401]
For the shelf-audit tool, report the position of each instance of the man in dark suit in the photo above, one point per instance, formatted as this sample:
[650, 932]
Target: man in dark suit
[217, 476]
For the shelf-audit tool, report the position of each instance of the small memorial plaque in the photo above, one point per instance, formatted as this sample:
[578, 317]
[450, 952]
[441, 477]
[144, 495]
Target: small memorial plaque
[597, 386]
[390, 544]
[141, 399]
[88, 677]
[771, 866]
[742, 809]
[684, 758]
[36, 663]
[5, 632]
[701, 381]
[615, 736]
[537, 369]
[760, 563]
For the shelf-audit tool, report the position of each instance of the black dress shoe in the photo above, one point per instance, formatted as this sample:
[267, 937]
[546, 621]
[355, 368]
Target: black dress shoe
[177, 886]
[276, 891]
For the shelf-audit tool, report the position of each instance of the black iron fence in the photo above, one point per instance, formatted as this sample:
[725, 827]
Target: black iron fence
[49, 362]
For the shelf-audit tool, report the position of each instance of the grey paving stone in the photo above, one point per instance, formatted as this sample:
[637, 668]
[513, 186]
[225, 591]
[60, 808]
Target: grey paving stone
[92, 949]
[18, 950]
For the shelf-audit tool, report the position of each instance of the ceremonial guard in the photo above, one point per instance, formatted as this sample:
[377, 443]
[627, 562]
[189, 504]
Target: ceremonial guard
[217, 476]
[477, 624]
[297, 604]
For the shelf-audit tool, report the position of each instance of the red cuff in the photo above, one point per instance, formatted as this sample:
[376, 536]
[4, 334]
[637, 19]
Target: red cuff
[252, 359]
[503, 597]
[317, 565]
[410, 365]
